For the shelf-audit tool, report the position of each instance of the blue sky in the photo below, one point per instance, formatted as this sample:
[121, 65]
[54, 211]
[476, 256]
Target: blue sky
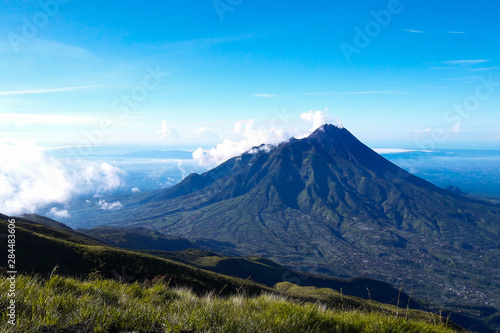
[178, 73]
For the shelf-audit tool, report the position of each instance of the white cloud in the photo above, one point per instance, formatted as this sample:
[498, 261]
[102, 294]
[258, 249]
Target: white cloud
[167, 131]
[456, 32]
[30, 180]
[136, 190]
[59, 213]
[108, 206]
[248, 137]
[317, 118]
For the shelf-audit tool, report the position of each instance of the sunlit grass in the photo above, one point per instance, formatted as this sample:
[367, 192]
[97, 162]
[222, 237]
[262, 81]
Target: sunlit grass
[108, 305]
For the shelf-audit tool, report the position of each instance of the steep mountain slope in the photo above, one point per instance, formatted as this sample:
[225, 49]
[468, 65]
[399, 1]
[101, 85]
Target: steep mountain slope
[329, 204]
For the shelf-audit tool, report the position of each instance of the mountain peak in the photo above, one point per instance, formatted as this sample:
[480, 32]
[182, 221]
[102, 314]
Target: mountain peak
[333, 135]
[327, 126]
[337, 141]
[328, 130]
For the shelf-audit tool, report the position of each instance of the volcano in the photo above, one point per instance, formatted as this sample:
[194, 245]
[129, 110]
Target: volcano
[329, 204]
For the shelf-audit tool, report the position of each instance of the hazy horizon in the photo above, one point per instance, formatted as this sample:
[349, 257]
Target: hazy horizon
[220, 77]
[393, 72]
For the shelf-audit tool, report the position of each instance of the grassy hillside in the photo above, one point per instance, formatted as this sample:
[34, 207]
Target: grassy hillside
[59, 304]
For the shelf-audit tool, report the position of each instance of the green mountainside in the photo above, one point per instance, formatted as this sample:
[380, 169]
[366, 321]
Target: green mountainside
[71, 292]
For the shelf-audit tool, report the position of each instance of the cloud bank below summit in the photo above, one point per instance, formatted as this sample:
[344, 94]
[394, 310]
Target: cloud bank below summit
[31, 180]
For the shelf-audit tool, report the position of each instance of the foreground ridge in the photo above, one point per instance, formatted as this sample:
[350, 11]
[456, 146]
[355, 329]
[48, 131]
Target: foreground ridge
[101, 305]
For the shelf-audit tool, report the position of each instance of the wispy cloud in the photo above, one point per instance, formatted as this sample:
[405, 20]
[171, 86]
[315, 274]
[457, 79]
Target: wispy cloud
[191, 45]
[265, 95]
[52, 90]
[45, 47]
[456, 32]
[388, 92]
[465, 62]
[468, 78]
[483, 68]
[414, 31]
[27, 118]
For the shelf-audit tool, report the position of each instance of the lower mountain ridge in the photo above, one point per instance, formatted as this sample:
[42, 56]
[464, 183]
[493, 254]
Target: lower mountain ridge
[67, 281]
[328, 204]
